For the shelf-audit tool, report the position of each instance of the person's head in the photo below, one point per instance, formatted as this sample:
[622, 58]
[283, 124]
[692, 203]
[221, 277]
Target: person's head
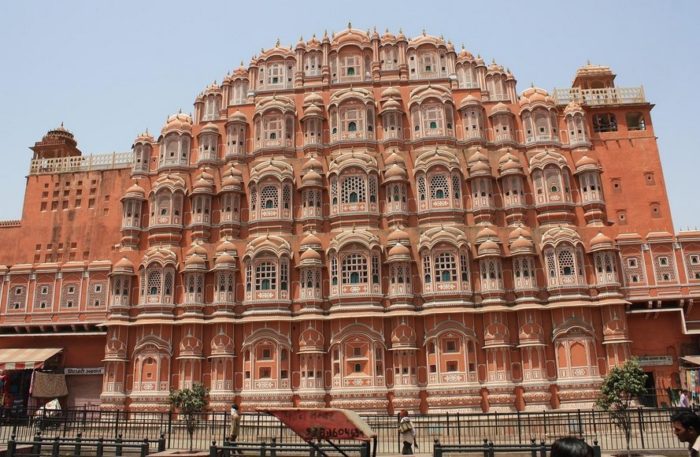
[403, 413]
[571, 447]
[234, 406]
[686, 426]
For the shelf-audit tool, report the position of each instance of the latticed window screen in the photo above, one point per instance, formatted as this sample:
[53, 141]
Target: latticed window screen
[432, 118]
[97, 293]
[354, 269]
[334, 270]
[427, 270]
[287, 196]
[154, 283]
[551, 264]
[308, 281]
[464, 266]
[633, 270]
[439, 187]
[269, 197]
[445, 267]
[372, 188]
[284, 274]
[353, 189]
[566, 263]
[665, 268]
[273, 128]
[375, 268]
[253, 197]
[69, 294]
[225, 282]
[421, 187]
[248, 277]
[124, 289]
[456, 187]
[168, 283]
[265, 276]
[334, 190]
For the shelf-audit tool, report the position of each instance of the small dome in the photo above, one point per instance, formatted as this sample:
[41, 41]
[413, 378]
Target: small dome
[135, 192]
[573, 107]
[237, 116]
[312, 163]
[196, 250]
[399, 250]
[397, 236]
[209, 128]
[509, 164]
[478, 156]
[124, 266]
[394, 158]
[486, 233]
[144, 137]
[391, 92]
[179, 123]
[395, 173]
[601, 242]
[314, 98]
[311, 241]
[224, 260]
[469, 100]
[313, 111]
[587, 162]
[310, 254]
[522, 245]
[480, 169]
[312, 179]
[500, 107]
[534, 95]
[194, 262]
[225, 246]
[518, 232]
[202, 185]
[392, 105]
[488, 248]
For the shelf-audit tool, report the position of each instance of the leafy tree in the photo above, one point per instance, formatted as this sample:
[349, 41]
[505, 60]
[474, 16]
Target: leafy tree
[622, 385]
[190, 402]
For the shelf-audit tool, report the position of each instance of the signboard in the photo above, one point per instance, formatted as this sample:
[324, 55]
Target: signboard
[325, 424]
[655, 360]
[84, 371]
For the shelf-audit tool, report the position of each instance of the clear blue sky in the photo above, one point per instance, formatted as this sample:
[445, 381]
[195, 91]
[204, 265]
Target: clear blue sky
[110, 69]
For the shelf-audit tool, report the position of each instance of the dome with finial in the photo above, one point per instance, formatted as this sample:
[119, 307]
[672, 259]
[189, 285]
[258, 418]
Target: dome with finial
[144, 138]
[499, 108]
[196, 249]
[486, 233]
[224, 261]
[489, 248]
[135, 192]
[237, 116]
[123, 266]
[586, 163]
[312, 163]
[313, 43]
[522, 246]
[310, 241]
[573, 107]
[312, 111]
[59, 132]
[397, 236]
[313, 98]
[535, 96]
[178, 123]
[209, 128]
[519, 231]
[399, 253]
[232, 180]
[469, 100]
[394, 159]
[310, 258]
[601, 242]
[195, 263]
[388, 37]
[226, 246]
[509, 164]
[311, 179]
[395, 172]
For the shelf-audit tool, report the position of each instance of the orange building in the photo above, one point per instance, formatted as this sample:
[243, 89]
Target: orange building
[361, 221]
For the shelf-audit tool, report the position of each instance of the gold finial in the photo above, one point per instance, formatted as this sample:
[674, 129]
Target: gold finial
[325, 33]
[313, 36]
[400, 29]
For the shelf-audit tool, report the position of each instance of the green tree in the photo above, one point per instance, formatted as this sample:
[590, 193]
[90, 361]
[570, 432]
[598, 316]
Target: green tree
[622, 385]
[190, 403]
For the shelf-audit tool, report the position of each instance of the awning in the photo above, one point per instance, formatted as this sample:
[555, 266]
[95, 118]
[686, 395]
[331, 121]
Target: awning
[692, 359]
[23, 359]
[323, 423]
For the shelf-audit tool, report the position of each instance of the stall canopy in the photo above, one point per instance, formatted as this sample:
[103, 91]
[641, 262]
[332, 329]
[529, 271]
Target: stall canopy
[23, 359]
[691, 359]
[327, 423]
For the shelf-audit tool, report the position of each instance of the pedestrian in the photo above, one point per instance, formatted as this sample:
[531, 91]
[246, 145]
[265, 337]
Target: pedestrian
[684, 401]
[571, 447]
[686, 426]
[407, 433]
[235, 425]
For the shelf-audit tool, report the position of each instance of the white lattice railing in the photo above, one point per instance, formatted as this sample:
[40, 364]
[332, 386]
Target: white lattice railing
[81, 163]
[596, 97]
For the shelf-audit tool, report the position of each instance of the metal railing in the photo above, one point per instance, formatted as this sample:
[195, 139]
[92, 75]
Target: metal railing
[651, 429]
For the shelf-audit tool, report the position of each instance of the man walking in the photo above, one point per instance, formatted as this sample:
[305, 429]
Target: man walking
[407, 433]
[686, 426]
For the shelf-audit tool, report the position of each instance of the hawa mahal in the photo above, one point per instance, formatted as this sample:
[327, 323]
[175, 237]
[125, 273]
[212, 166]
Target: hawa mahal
[363, 221]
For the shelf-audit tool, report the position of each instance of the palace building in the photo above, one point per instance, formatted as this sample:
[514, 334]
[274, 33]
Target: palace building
[363, 221]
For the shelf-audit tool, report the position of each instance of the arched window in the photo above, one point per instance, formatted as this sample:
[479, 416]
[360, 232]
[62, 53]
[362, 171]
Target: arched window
[445, 267]
[266, 276]
[354, 269]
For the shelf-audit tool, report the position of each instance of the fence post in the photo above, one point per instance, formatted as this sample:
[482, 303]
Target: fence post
[533, 445]
[55, 449]
[273, 447]
[543, 449]
[520, 432]
[100, 447]
[145, 447]
[596, 449]
[161, 442]
[118, 447]
[77, 447]
[459, 428]
[447, 415]
[262, 449]
[170, 425]
[437, 448]
[486, 447]
[11, 446]
[36, 444]
[212, 449]
[641, 426]
[490, 448]
[116, 425]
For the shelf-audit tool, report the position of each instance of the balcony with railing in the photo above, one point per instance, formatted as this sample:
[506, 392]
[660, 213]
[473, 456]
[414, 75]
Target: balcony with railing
[74, 164]
[600, 97]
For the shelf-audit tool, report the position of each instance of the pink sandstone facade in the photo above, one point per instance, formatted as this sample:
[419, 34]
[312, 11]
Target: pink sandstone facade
[362, 221]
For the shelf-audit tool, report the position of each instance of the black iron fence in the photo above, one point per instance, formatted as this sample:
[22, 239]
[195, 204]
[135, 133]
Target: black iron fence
[651, 429]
